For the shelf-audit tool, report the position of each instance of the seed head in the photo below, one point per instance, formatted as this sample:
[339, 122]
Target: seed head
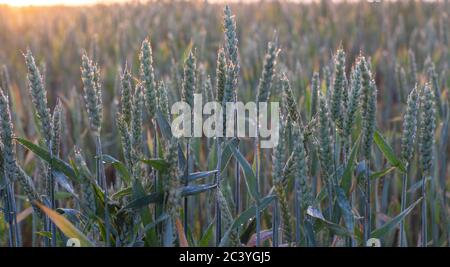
[289, 100]
[126, 95]
[355, 87]
[338, 88]
[301, 168]
[427, 128]
[173, 182]
[221, 75]
[92, 93]
[409, 126]
[227, 217]
[401, 81]
[368, 107]
[315, 88]
[163, 101]
[11, 169]
[57, 123]
[189, 80]
[39, 97]
[148, 77]
[278, 156]
[229, 25]
[268, 71]
[325, 138]
[433, 77]
[412, 66]
[125, 138]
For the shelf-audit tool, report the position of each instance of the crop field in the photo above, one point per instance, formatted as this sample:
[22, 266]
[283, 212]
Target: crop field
[89, 155]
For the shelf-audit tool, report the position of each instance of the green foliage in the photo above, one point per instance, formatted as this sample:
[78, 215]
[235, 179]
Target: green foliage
[135, 184]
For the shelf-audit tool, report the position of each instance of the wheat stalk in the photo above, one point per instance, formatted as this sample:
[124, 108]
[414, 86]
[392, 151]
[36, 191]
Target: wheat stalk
[90, 75]
[426, 143]
[407, 145]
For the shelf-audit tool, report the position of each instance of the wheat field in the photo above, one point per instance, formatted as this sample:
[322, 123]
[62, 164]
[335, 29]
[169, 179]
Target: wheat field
[87, 149]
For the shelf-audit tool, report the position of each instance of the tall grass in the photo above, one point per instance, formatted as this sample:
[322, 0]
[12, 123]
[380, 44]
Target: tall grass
[356, 97]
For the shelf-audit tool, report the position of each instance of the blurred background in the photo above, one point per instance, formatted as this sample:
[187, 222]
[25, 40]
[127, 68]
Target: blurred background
[401, 38]
[307, 33]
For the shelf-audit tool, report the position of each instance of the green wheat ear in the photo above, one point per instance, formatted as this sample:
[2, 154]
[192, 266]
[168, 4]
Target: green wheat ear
[189, 80]
[426, 129]
[126, 95]
[289, 100]
[354, 100]
[325, 138]
[163, 100]
[265, 82]
[172, 184]
[337, 97]
[12, 170]
[315, 89]
[368, 107]
[88, 196]
[227, 218]
[147, 77]
[231, 36]
[39, 97]
[57, 124]
[221, 75]
[409, 126]
[92, 93]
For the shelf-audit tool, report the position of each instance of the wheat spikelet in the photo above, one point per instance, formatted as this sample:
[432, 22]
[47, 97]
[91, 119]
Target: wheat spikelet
[126, 95]
[163, 101]
[409, 127]
[267, 75]
[39, 97]
[92, 93]
[426, 129]
[338, 88]
[12, 170]
[353, 103]
[315, 88]
[221, 75]
[368, 107]
[148, 77]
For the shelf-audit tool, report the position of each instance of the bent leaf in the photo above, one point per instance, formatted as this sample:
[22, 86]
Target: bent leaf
[198, 175]
[56, 163]
[250, 178]
[377, 175]
[388, 152]
[196, 189]
[144, 201]
[245, 216]
[157, 164]
[65, 225]
[392, 224]
[322, 222]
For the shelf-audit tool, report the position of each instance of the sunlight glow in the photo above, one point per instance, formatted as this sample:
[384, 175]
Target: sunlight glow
[22, 3]
[54, 2]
